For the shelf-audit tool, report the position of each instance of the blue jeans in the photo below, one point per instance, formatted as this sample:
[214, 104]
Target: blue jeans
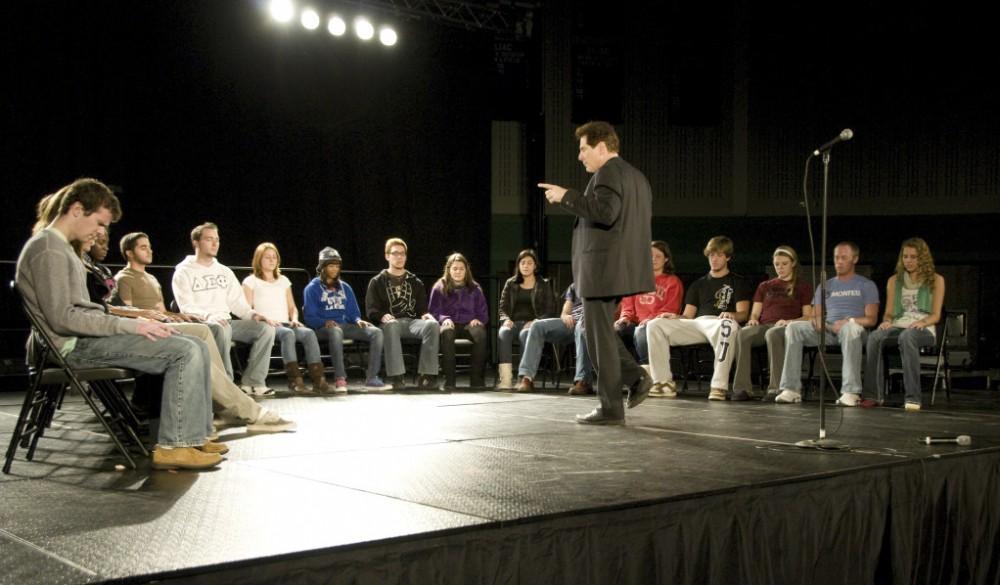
[186, 407]
[505, 350]
[335, 339]
[259, 335]
[429, 334]
[287, 336]
[851, 339]
[909, 342]
[554, 331]
[638, 335]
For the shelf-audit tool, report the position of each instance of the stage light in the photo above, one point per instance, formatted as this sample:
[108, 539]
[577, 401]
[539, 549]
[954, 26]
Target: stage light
[387, 36]
[310, 19]
[363, 29]
[282, 10]
[336, 26]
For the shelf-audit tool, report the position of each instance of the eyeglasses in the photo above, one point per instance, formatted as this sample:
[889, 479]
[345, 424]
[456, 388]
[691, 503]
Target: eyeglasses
[397, 253]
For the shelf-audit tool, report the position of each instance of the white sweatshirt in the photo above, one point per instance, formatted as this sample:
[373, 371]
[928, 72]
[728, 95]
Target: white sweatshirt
[210, 292]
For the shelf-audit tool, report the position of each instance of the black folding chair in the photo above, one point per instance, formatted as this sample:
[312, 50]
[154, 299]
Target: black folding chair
[47, 385]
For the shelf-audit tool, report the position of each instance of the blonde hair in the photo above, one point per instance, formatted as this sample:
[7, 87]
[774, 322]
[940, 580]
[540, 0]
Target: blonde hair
[789, 252]
[720, 244]
[395, 242]
[925, 263]
[258, 256]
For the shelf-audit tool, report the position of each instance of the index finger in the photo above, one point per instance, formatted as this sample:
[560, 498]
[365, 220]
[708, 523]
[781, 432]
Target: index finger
[545, 186]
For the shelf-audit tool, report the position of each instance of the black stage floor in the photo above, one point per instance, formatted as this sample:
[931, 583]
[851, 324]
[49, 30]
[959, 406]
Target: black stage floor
[490, 487]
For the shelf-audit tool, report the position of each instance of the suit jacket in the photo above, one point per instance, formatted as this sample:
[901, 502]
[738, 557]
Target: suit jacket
[612, 232]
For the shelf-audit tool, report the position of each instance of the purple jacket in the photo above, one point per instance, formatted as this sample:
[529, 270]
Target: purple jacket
[461, 306]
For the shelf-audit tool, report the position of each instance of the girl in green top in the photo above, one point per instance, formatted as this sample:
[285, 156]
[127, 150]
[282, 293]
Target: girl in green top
[913, 300]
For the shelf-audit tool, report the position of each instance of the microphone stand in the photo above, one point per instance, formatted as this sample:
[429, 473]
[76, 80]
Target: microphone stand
[822, 442]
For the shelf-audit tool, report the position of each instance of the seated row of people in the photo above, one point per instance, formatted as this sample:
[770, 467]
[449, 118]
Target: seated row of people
[786, 316]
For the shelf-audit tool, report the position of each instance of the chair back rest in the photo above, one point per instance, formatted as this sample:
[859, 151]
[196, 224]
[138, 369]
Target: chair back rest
[42, 348]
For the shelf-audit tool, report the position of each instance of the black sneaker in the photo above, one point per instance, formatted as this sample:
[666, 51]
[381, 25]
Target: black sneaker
[397, 383]
[427, 382]
[741, 395]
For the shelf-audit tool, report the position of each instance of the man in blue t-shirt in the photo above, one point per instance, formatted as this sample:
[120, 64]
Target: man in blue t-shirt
[852, 306]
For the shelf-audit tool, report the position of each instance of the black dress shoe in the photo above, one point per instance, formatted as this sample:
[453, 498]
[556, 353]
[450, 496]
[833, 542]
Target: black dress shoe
[596, 417]
[639, 391]
[427, 382]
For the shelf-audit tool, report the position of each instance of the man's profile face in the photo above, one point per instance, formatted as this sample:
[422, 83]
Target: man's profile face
[592, 157]
[208, 244]
[396, 257]
[87, 225]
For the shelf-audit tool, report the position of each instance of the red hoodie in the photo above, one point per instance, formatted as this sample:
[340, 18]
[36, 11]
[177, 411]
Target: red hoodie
[667, 299]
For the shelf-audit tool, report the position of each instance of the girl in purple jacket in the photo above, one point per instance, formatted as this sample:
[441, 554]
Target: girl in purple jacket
[459, 305]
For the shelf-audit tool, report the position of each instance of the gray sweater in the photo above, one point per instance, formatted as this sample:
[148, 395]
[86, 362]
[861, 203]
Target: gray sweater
[54, 284]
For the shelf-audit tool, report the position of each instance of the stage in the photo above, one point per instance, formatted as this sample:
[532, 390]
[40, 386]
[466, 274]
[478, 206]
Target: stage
[490, 487]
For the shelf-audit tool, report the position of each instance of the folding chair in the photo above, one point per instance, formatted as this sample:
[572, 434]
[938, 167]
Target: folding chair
[47, 385]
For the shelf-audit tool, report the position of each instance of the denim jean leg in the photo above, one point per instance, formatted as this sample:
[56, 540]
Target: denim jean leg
[185, 411]
[428, 331]
[261, 337]
[307, 337]
[798, 335]
[286, 338]
[584, 367]
[852, 339]
[392, 332]
[910, 342]
[223, 335]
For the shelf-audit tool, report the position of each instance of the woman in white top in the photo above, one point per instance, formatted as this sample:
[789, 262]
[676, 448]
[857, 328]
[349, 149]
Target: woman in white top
[270, 294]
[913, 300]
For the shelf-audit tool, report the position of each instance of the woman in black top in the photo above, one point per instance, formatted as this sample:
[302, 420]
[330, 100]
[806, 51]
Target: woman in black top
[526, 296]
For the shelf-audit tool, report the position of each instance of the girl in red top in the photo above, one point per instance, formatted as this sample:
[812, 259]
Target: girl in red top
[665, 301]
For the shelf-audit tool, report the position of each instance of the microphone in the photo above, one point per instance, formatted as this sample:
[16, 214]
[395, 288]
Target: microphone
[964, 440]
[845, 135]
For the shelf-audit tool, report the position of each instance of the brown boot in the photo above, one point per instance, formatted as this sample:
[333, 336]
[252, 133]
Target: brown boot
[184, 458]
[525, 386]
[318, 378]
[295, 381]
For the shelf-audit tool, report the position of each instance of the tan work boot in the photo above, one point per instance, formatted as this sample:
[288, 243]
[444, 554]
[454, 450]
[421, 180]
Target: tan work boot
[211, 446]
[184, 458]
[318, 378]
[294, 376]
[506, 372]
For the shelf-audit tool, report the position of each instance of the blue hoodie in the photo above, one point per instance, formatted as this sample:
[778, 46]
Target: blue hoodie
[322, 304]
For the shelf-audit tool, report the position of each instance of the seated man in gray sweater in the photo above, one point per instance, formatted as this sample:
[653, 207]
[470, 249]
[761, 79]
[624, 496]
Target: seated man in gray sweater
[52, 280]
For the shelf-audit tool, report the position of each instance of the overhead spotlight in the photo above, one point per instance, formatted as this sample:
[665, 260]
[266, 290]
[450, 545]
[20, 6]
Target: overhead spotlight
[387, 36]
[310, 19]
[282, 10]
[363, 29]
[336, 26]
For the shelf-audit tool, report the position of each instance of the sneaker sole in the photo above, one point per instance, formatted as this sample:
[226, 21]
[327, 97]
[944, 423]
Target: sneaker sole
[275, 428]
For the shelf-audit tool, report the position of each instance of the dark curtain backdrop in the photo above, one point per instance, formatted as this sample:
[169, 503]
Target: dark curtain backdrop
[209, 111]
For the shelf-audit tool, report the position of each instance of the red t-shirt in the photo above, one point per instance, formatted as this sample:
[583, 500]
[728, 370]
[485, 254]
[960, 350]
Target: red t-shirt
[777, 304]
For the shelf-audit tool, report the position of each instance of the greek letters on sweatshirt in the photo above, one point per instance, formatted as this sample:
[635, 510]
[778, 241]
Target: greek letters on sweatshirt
[210, 292]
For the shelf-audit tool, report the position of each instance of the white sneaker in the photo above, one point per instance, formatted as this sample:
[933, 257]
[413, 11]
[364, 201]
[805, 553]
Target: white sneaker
[848, 399]
[271, 422]
[788, 397]
[912, 406]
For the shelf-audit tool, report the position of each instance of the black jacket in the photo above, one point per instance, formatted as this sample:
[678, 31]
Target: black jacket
[409, 302]
[543, 301]
[612, 232]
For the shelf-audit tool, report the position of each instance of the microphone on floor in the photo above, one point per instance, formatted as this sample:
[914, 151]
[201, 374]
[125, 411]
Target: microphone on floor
[964, 440]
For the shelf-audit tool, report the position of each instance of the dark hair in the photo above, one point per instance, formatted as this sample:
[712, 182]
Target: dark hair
[668, 266]
[854, 247]
[129, 242]
[90, 193]
[445, 281]
[518, 278]
[596, 132]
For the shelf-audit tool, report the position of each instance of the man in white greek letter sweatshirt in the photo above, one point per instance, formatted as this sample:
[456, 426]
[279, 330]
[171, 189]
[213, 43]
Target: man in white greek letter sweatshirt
[208, 289]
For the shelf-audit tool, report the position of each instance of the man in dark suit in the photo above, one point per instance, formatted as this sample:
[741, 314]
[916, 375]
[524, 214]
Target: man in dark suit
[610, 260]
